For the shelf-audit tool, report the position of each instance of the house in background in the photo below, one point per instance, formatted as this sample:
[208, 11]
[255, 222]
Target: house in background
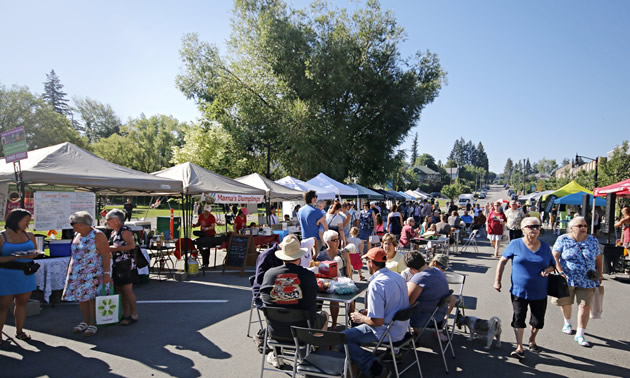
[426, 174]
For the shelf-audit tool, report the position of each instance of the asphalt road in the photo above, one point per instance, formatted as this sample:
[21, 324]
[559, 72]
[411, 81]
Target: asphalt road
[192, 339]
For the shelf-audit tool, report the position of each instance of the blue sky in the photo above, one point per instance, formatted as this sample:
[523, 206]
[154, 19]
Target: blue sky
[529, 79]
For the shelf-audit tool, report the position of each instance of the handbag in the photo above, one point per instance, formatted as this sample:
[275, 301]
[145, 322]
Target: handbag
[374, 239]
[557, 286]
[141, 261]
[598, 303]
[108, 308]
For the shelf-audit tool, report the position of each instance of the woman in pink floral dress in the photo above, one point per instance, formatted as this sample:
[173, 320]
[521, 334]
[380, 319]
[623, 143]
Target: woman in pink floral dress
[89, 268]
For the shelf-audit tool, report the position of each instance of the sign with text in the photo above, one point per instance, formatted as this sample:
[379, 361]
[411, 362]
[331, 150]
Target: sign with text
[14, 144]
[53, 209]
[234, 198]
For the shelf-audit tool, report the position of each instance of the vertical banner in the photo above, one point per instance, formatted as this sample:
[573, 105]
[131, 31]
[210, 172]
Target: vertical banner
[14, 144]
[4, 195]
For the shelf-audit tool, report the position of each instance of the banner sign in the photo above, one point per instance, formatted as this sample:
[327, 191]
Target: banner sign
[234, 198]
[14, 144]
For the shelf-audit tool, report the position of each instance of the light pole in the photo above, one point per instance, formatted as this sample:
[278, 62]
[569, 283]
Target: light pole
[596, 160]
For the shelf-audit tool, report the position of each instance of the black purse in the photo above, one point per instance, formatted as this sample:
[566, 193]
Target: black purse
[557, 286]
[141, 261]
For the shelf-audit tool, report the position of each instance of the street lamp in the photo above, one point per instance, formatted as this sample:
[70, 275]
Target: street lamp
[577, 161]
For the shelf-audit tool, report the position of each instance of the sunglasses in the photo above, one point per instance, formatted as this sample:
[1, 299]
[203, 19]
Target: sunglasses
[533, 226]
[335, 240]
[581, 226]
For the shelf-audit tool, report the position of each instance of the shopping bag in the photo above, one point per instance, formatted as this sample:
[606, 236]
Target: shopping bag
[597, 303]
[108, 306]
[374, 239]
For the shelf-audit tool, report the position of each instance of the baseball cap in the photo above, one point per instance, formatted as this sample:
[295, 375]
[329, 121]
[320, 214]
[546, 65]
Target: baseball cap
[376, 254]
[441, 259]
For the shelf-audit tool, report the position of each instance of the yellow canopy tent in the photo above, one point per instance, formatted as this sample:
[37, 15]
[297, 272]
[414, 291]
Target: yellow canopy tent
[570, 188]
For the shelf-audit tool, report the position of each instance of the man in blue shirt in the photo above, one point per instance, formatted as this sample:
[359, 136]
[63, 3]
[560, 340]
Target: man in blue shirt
[309, 215]
[466, 218]
[386, 295]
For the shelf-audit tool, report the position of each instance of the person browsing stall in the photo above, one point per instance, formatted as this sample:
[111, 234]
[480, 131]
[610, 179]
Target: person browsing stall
[311, 217]
[386, 295]
[408, 232]
[206, 223]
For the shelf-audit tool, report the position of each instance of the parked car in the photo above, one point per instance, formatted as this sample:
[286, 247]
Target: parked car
[482, 195]
[436, 194]
[514, 197]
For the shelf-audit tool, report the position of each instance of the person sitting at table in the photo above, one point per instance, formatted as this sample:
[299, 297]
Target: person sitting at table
[454, 220]
[265, 261]
[344, 265]
[442, 227]
[467, 219]
[206, 223]
[239, 221]
[89, 269]
[395, 261]
[424, 227]
[408, 232]
[291, 286]
[287, 218]
[386, 295]
[427, 286]
[435, 218]
[124, 273]
[15, 285]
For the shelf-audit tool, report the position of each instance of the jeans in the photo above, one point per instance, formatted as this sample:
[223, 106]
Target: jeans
[355, 337]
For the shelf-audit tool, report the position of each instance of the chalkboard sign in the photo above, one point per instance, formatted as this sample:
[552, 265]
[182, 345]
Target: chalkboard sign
[53, 209]
[238, 248]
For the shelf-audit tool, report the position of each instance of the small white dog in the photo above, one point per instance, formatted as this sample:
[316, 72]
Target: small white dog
[490, 328]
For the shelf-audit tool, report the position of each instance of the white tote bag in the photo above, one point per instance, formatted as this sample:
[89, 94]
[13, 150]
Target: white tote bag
[108, 307]
[597, 303]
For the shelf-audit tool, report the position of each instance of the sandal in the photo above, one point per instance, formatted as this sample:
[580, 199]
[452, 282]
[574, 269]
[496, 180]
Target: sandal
[128, 320]
[533, 347]
[81, 327]
[518, 355]
[22, 336]
[90, 331]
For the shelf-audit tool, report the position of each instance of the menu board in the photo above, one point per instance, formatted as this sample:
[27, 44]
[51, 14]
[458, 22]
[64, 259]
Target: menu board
[238, 248]
[53, 209]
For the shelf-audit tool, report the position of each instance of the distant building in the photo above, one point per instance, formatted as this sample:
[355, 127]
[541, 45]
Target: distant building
[571, 170]
[426, 174]
[452, 172]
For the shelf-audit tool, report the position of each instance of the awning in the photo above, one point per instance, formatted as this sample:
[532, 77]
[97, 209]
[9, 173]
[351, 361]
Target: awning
[323, 181]
[572, 187]
[275, 192]
[621, 189]
[576, 199]
[366, 193]
[297, 184]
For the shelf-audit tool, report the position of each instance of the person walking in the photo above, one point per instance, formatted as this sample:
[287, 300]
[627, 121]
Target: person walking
[579, 258]
[89, 269]
[514, 217]
[532, 262]
[494, 226]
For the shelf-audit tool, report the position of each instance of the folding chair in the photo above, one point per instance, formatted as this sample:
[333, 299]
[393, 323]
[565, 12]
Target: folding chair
[401, 316]
[442, 325]
[471, 241]
[251, 308]
[278, 334]
[322, 362]
[457, 279]
[456, 235]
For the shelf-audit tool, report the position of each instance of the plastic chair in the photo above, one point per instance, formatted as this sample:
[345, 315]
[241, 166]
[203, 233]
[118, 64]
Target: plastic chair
[282, 345]
[322, 362]
[251, 308]
[401, 316]
[471, 241]
[440, 326]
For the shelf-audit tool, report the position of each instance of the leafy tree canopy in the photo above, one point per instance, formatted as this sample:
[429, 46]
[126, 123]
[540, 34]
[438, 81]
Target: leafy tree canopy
[99, 120]
[304, 84]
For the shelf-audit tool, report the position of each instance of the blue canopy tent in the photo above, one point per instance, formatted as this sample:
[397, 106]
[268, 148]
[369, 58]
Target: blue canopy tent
[364, 192]
[576, 199]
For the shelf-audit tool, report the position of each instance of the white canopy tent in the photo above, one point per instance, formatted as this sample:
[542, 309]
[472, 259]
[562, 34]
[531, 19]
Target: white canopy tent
[68, 165]
[331, 185]
[297, 184]
[275, 192]
[197, 180]
[416, 194]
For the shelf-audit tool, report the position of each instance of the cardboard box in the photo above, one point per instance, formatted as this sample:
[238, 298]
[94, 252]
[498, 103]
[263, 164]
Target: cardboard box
[328, 268]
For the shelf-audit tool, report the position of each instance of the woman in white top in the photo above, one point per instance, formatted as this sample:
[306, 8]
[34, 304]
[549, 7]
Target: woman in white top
[335, 220]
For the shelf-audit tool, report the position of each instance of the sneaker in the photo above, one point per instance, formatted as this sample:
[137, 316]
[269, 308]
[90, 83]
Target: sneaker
[274, 361]
[567, 329]
[582, 341]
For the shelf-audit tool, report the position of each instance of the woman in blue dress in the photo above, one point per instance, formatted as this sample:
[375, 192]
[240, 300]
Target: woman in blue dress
[15, 285]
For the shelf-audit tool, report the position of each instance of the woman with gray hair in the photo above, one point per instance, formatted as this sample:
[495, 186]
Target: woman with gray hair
[532, 262]
[122, 245]
[88, 270]
[578, 257]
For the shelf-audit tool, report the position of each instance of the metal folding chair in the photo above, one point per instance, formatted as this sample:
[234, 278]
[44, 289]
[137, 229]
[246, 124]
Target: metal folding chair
[471, 241]
[457, 281]
[279, 339]
[440, 326]
[251, 308]
[321, 362]
[387, 343]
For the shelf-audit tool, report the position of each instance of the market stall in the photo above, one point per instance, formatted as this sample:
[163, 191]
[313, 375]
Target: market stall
[297, 184]
[340, 190]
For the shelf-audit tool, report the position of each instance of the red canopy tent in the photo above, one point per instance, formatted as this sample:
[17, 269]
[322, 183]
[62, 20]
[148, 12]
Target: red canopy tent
[621, 189]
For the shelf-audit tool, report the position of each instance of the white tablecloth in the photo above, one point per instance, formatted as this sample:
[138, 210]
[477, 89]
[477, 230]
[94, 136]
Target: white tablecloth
[51, 275]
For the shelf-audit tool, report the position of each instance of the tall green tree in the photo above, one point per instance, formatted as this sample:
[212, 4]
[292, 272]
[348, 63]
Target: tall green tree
[509, 167]
[617, 167]
[414, 149]
[301, 84]
[144, 144]
[54, 94]
[98, 120]
[43, 126]
[427, 160]
[481, 158]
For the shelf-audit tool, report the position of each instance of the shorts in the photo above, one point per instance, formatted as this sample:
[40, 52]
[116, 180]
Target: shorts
[515, 234]
[495, 237]
[537, 308]
[584, 297]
